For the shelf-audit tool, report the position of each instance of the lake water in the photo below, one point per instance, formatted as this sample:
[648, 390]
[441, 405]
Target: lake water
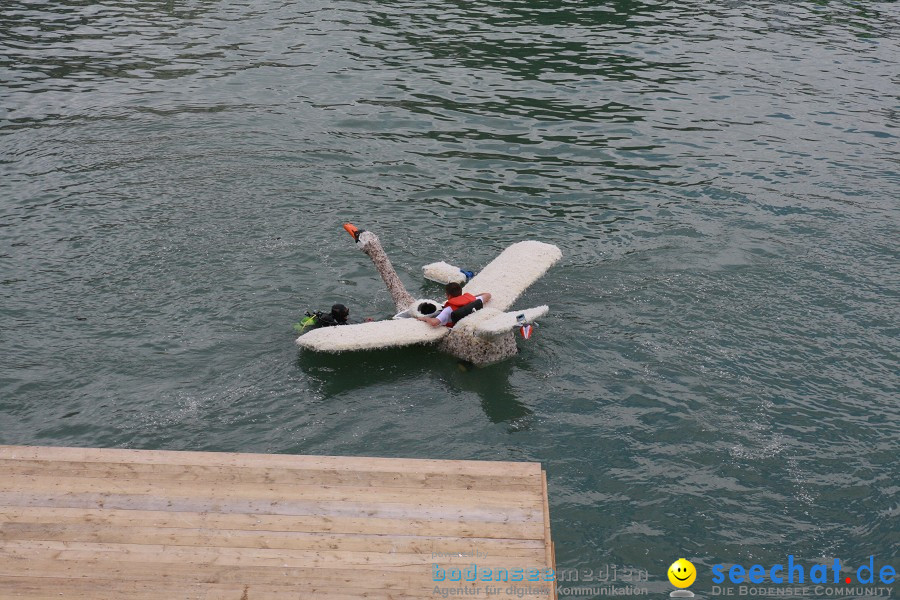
[718, 376]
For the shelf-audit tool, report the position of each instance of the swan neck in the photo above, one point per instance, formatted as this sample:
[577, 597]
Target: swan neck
[402, 299]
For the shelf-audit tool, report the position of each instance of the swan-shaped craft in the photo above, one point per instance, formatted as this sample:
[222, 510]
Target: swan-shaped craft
[484, 337]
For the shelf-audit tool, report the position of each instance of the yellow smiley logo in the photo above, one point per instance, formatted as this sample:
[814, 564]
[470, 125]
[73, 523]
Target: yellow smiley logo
[682, 573]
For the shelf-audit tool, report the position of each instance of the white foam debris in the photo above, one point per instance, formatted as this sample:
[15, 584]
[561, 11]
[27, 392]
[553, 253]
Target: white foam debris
[442, 272]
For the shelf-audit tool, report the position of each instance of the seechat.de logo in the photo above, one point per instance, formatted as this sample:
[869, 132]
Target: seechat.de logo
[792, 572]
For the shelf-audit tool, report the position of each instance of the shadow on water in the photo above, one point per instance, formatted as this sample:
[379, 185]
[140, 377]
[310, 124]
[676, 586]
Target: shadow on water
[499, 399]
[335, 374]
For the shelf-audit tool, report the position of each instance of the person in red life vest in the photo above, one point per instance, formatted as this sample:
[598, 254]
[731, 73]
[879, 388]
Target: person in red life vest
[458, 305]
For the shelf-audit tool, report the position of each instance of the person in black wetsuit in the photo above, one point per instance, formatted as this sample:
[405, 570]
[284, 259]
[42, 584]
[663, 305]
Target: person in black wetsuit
[339, 315]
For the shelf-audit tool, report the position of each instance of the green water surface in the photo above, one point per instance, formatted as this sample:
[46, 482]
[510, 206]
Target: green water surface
[718, 375]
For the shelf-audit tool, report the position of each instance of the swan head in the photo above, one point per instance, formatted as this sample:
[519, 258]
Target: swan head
[362, 237]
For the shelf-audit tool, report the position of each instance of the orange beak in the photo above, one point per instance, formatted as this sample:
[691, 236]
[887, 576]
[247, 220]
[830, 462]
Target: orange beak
[353, 230]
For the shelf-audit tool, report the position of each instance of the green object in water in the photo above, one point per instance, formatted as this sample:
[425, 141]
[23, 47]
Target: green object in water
[307, 321]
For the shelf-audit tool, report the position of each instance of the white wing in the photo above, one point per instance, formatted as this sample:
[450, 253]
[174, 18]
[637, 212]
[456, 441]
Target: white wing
[500, 324]
[510, 274]
[368, 336]
[441, 272]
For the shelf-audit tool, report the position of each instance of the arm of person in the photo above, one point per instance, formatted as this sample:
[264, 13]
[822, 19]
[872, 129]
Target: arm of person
[442, 319]
[485, 297]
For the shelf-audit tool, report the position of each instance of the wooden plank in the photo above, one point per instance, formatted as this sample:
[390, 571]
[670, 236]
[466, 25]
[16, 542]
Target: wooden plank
[553, 566]
[55, 484]
[257, 557]
[372, 579]
[336, 463]
[111, 517]
[548, 543]
[546, 519]
[222, 475]
[304, 583]
[236, 538]
[267, 507]
[47, 588]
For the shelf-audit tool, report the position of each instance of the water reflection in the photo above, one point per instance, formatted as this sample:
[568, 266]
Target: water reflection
[499, 398]
[335, 374]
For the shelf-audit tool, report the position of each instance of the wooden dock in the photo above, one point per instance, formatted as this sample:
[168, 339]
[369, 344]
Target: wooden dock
[79, 524]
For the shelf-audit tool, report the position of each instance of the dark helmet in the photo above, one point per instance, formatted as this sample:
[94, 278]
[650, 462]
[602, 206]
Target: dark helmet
[340, 312]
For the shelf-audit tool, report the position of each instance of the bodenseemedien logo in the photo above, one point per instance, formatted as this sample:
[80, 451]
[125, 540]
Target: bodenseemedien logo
[682, 574]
